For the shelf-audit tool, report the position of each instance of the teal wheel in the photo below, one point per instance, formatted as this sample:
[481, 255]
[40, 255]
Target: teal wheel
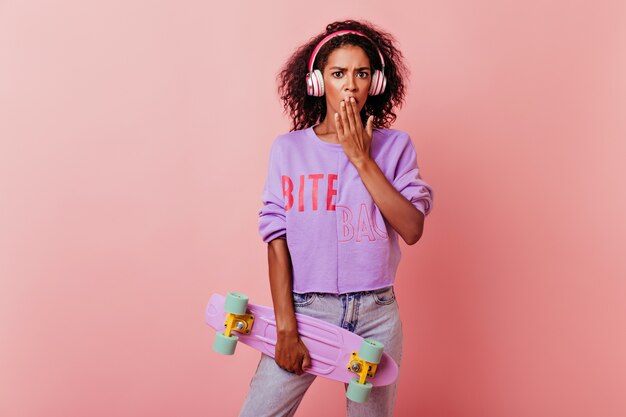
[358, 392]
[225, 345]
[371, 351]
[236, 303]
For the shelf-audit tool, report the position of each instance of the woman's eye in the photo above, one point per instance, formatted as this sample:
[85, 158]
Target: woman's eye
[360, 74]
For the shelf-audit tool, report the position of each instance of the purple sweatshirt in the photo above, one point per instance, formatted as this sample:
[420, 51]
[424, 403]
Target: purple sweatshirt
[338, 240]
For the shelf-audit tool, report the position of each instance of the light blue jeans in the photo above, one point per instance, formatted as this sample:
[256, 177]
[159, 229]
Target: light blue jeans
[371, 314]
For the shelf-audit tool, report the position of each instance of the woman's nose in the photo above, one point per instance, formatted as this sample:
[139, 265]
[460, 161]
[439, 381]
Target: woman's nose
[350, 83]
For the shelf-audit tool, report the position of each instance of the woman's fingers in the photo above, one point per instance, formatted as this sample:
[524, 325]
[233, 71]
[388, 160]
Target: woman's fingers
[344, 118]
[349, 125]
[369, 128]
[339, 127]
[350, 116]
[355, 118]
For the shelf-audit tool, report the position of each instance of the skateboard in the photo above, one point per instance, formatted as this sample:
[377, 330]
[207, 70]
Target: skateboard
[336, 353]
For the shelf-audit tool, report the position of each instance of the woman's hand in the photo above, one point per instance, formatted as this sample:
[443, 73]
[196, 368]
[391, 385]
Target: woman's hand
[355, 140]
[291, 354]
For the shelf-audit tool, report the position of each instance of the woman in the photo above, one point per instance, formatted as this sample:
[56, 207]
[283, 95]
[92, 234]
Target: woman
[341, 187]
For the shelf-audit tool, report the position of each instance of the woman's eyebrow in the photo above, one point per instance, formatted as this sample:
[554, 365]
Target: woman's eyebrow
[343, 69]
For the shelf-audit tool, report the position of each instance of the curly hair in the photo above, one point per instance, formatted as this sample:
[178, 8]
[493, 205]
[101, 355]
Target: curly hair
[306, 110]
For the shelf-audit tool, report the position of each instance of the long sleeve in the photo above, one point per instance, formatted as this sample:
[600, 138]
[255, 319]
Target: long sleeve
[408, 182]
[272, 223]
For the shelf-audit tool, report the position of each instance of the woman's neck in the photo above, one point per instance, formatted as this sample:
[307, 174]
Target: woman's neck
[326, 131]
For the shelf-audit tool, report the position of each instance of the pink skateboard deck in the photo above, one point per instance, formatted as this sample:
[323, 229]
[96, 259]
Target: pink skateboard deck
[330, 347]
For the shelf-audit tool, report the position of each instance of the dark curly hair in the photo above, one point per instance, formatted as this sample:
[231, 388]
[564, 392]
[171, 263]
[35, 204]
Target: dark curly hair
[306, 110]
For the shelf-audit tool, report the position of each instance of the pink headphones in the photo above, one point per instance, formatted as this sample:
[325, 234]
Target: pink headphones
[315, 79]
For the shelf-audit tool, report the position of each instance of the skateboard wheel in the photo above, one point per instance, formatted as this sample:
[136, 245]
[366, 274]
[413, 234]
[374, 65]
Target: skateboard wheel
[225, 345]
[371, 351]
[358, 392]
[236, 303]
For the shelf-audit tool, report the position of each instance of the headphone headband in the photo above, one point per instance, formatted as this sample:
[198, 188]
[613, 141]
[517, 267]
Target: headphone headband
[340, 33]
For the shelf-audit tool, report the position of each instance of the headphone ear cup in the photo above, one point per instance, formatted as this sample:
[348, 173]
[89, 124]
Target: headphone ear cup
[315, 83]
[379, 82]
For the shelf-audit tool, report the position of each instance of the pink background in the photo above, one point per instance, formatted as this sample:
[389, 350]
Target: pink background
[134, 142]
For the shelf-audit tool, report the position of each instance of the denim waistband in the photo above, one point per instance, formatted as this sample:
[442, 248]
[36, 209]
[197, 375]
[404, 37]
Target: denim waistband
[352, 294]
